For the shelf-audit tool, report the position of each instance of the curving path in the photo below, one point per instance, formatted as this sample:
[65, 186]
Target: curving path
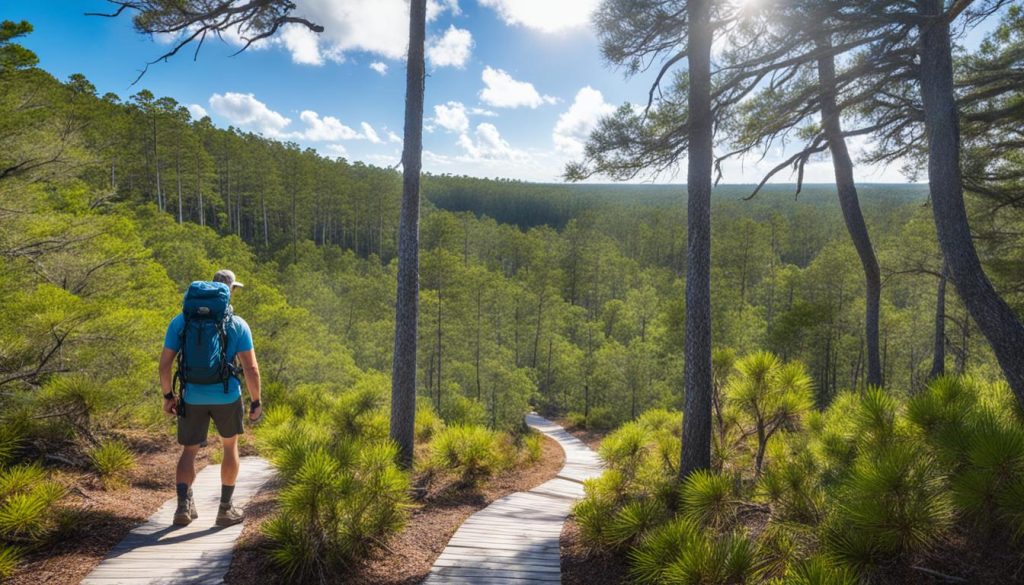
[515, 539]
[159, 553]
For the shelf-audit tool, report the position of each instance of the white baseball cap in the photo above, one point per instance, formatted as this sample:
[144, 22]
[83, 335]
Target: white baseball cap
[227, 277]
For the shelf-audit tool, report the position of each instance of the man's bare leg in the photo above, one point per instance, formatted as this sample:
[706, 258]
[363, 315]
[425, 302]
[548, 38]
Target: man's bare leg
[186, 471]
[184, 475]
[229, 466]
[228, 514]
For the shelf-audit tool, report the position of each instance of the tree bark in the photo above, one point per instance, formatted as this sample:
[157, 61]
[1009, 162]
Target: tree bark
[939, 353]
[996, 320]
[403, 369]
[850, 205]
[697, 389]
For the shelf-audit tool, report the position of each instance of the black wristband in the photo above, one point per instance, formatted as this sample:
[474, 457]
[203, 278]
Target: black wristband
[254, 405]
[169, 396]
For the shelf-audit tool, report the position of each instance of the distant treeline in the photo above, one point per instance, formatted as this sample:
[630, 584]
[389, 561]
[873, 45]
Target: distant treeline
[532, 204]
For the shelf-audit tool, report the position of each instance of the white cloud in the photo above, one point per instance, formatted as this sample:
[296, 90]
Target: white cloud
[198, 112]
[243, 109]
[452, 49]
[483, 112]
[380, 67]
[370, 133]
[544, 15]
[337, 150]
[436, 7]
[303, 44]
[392, 137]
[325, 129]
[501, 91]
[353, 25]
[452, 117]
[247, 112]
[487, 143]
[165, 38]
[575, 125]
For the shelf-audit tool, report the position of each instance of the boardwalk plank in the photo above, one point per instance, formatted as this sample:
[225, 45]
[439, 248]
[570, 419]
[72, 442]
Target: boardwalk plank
[515, 540]
[158, 553]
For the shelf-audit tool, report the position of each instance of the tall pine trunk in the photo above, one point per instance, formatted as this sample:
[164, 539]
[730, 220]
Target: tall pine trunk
[850, 204]
[995, 319]
[696, 449]
[403, 370]
[939, 353]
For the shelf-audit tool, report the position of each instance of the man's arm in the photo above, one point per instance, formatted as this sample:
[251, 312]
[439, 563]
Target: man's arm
[251, 371]
[166, 381]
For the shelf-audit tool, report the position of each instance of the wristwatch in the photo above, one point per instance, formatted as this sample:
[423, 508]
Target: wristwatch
[254, 405]
[169, 396]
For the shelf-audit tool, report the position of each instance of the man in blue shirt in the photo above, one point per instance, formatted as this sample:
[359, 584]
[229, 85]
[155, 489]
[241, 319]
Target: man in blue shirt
[204, 402]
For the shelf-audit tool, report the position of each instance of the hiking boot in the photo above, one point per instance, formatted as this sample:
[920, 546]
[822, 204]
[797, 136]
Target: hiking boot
[186, 512]
[228, 515]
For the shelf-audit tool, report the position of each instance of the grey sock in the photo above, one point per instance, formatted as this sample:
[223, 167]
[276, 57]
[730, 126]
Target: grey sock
[226, 491]
[183, 491]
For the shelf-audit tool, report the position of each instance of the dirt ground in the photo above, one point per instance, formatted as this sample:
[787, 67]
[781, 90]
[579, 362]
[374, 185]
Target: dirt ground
[95, 519]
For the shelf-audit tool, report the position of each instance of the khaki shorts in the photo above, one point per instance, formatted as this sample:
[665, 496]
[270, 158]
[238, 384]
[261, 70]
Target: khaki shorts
[193, 427]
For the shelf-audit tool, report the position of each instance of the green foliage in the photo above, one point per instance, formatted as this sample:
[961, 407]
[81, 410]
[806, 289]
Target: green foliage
[818, 570]
[27, 504]
[897, 498]
[875, 482]
[472, 453]
[333, 513]
[770, 395]
[719, 561]
[9, 557]
[533, 447]
[707, 499]
[428, 424]
[112, 460]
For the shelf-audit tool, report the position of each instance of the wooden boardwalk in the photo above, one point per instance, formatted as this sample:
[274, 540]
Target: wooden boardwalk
[159, 553]
[515, 539]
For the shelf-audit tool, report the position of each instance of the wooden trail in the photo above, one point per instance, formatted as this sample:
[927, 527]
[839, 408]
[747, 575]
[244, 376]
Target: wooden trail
[515, 539]
[159, 553]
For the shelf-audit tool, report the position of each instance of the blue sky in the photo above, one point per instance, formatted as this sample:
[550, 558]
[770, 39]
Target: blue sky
[514, 86]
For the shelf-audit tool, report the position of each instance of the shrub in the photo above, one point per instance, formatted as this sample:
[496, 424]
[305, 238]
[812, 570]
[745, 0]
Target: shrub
[331, 514]
[112, 460]
[661, 548]
[632, 521]
[818, 570]
[9, 557]
[713, 560]
[771, 395]
[471, 452]
[27, 498]
[894, 502]
[428, 423]
[533, 447]
[707, 499]
[10, 440]
[576, 420]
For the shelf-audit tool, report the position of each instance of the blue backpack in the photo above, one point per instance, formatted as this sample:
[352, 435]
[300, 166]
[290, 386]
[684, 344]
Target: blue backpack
[204, 339]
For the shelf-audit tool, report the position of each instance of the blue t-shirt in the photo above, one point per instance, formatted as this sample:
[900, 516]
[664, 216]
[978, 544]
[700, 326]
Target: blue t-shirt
[239, 340]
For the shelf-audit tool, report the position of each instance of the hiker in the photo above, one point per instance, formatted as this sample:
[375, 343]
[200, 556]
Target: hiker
[206, 339]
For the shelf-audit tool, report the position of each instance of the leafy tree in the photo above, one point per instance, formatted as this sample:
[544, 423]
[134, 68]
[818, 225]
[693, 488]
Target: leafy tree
[771, 394]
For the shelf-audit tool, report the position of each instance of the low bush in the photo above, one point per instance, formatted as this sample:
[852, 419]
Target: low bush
[472, 453]
[112, 460]
[862, 490]
[9, 557]
[532, 447]
[27, 505]
[332, 513]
